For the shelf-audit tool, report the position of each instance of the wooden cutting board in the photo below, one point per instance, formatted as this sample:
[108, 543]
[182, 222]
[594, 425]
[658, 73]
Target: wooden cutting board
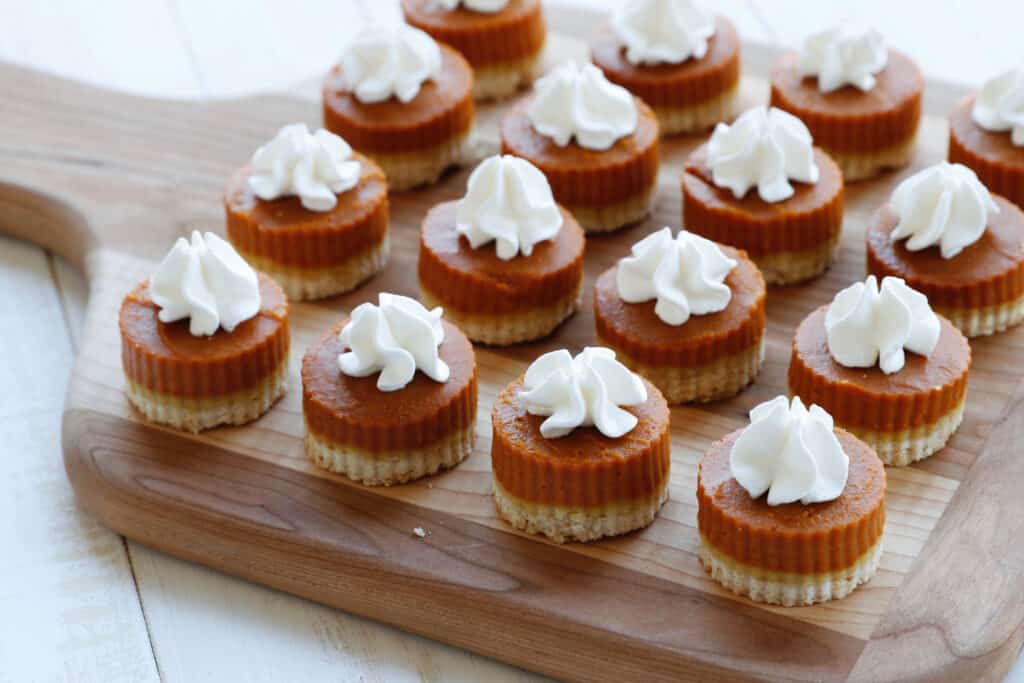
[109, 181]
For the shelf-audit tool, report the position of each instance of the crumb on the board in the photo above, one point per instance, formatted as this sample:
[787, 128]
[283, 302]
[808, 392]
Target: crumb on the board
[418, 531]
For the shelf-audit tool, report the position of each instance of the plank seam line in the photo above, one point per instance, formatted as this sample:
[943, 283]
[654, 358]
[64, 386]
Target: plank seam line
[186, 41]
[51, 266]
[142, 608]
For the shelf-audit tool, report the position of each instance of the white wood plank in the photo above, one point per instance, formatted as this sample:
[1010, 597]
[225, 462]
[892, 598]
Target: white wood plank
[955, 40]
[209, 627]
[69, 605]
[241, 47]
[120, 44]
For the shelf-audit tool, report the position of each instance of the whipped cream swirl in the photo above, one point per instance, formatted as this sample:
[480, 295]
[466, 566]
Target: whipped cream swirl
[999, 106]
[581, 392]
[944, 205]
[508, 201]
[663, 31]
[765, 148]
[574, 101]
[313, 167]
[790, 452]
[396, 338]
[686, 275]
[485, 6]
[205, 280]
[865, 325]
[390, 61]
[844, 56]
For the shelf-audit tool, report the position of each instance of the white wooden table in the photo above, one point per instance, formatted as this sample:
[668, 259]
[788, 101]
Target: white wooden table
[78, 602]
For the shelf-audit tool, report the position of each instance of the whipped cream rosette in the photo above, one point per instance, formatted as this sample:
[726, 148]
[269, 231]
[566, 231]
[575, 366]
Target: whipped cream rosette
[508, 201]
[999, 106]
[582, 391]
[791, 452]
[867, 324]
[845, 55]
[315, 167]
[764, 148]
[205, 280]
[396, 337]
[944, 205]
[382, 62]
[578, 102]
[663, 31]
[685, 275]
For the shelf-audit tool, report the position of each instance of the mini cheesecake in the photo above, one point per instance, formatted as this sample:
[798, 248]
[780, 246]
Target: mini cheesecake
[583, 485]
[495, 301]
[865, 128]
[687, 96]
[706, 358]
[791, 239]
[193, 379]
[502, 46]
[968, 261]
[905, 416]
[413, 140]
[505, 261]
[604, 188]
[793, 553]
[991, 154]
[383, 437]
[313, 247]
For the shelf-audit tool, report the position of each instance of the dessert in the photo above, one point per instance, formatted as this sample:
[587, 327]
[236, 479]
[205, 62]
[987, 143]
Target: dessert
[685, 313]
[946, 236]
[523, 285]
[676, 57]
[986, 133]
[860, 99]
[204, 341]
[403, 100]
[501, 39]
[790, 231]
[850, 358]
[817, 534]
[571, 462]
[389, 395]
[596, 144]
[310, 213]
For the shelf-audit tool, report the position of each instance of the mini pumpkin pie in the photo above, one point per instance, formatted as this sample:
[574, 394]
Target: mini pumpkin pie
[790, 231]
[310, 213]
[680, 60]
[986, 133]
[501, 39]
[569, 461]
[403, 100]
[524, 286]
[596, 144]
[860, 100]
[204, 341]
[850, 358]
[389, 395]
[963, 248]
[685, 313]
[817, 534]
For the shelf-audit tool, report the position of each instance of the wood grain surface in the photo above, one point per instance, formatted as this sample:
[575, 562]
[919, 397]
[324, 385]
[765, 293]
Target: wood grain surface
[109, 181]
